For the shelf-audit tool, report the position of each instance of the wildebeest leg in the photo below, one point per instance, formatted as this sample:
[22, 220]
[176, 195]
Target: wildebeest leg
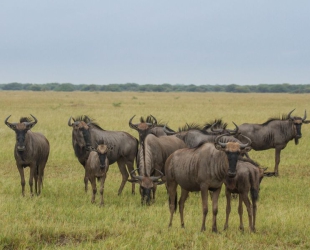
[36, 180]
[254, 206]
[248, 205]
[228, 207]
[172, 192]
[184, 195]
[22, 178]
[215, 208]
[204, 199]
[33, 170]
[277, 161]
[40, 178]
[93, 184]
[123, 170]
[242, 198]
[86, 181]
[102, 181]
[130, 167]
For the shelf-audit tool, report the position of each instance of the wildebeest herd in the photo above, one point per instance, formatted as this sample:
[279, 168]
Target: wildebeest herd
[196, 158]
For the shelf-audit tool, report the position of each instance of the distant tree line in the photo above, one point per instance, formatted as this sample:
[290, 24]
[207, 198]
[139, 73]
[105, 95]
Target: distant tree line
[166, 87]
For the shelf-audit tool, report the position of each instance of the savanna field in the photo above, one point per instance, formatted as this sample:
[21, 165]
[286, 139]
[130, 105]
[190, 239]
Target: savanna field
[63, 216]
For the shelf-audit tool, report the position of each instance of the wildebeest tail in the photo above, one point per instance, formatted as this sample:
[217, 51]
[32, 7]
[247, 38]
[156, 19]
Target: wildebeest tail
[137, 154]
[253, 189]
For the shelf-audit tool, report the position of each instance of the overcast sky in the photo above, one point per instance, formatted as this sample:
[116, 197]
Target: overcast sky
[155, 42]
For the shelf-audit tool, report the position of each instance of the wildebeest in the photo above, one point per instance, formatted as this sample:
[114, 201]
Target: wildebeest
[247, 180]
[31, 150]
[204, 169]
[274, 133]
[152, 161]
[97, 166]
[123, 147]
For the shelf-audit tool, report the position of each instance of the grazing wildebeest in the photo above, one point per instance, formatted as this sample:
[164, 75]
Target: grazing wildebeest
[123, 147]
[96, 167]
[31, 150]
[204, 169]
[247, 180]
[274, 133]
[152, 161]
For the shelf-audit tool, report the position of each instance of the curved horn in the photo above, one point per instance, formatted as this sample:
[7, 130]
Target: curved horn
[247, 144]
[134, 171]
[289, 114]
[30, 125]
[216, 141]
[156, 178]
[35, 120]
[215, 130]
[235, 131]
[137, 177]
[305, 116]
[133, 126]
[6, 120]
[10, 125]
[167, 131]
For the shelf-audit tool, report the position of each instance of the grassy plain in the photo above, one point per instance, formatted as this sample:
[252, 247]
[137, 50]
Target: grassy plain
[63, 217]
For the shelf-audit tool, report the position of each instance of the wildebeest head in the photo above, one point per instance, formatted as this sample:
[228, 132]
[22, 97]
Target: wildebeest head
[102, 153]
[144, 127]
[80, 131]
[297, 121]
[21, 129]
[146, 185]
[232, 150]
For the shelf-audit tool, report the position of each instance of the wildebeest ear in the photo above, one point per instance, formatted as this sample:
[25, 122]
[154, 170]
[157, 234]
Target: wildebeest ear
[306, 122]
[30, 125]
[11, 126]
[246, 149]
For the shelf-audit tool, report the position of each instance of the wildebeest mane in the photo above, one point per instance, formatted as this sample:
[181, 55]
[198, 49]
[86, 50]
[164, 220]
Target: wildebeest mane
[25, 119]
[283, 118]
[218, 124]
[191, 126]
[88, 121]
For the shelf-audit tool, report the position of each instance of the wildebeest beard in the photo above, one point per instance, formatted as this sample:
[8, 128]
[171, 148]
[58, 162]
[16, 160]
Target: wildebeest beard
[86, 136]
[146, 195]
[21, 154]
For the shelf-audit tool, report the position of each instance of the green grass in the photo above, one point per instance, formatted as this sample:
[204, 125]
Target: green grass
[63, 216]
